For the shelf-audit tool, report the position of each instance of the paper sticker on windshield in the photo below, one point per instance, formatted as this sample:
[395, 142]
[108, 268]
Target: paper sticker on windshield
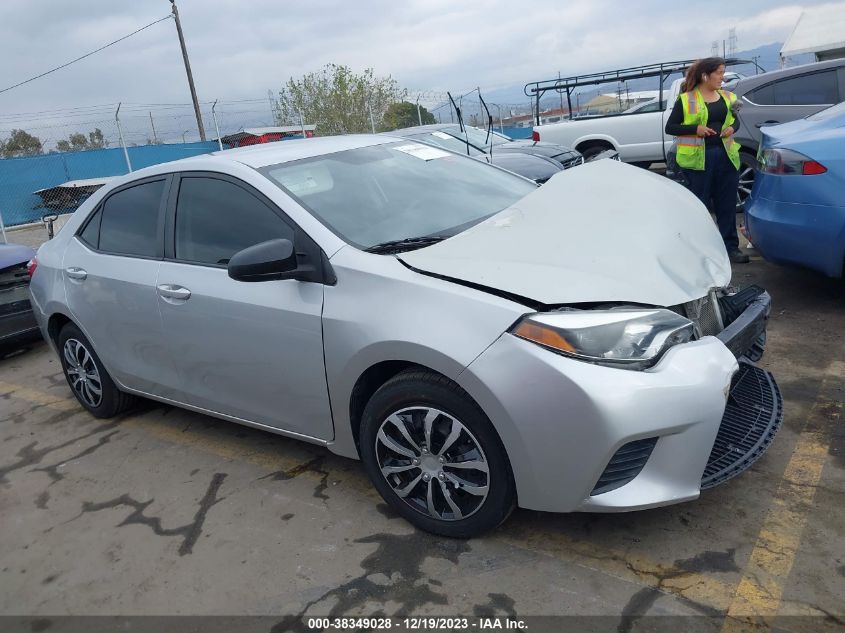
[423, 152]
[442, 135]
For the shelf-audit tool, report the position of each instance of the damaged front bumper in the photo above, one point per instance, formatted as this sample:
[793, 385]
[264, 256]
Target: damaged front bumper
[583, 437]
[754, 410]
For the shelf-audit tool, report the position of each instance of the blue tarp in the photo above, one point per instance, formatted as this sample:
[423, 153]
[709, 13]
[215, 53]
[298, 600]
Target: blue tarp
[518, 132]
[20, 177]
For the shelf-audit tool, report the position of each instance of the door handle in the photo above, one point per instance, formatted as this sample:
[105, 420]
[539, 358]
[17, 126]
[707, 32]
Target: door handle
[172, 291]
[78, 274]
[759, 125]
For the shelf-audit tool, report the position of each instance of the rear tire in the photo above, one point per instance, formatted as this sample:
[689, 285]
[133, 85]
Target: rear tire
[747, 164]
[590, 151]
[434, 456]
[87, 378]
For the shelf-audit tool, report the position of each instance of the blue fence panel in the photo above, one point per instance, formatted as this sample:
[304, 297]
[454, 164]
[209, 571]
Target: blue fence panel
[20, 177]
[518, 132]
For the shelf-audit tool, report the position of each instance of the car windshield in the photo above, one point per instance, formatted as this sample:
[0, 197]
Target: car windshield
[441, 139]
[377, 194]
[828, 113]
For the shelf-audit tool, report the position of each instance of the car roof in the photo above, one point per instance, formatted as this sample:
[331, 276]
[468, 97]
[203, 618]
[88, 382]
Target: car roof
[755, 81]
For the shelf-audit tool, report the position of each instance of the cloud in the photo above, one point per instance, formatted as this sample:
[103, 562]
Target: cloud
[240, 49]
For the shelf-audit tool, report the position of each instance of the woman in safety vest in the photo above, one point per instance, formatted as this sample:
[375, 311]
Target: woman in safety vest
[703, 124]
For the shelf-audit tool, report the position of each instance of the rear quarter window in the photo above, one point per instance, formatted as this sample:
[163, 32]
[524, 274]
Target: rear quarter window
[130, 219]
[813, 89]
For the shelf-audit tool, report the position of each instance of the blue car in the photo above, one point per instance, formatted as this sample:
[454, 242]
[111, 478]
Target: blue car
[796, 211]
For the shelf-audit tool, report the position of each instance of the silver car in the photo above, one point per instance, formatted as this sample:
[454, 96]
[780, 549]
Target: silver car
[478, 342]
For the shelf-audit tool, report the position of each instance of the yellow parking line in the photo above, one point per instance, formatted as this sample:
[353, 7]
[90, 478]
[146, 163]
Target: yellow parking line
[38, 397]
[759, 593]
[704, 590]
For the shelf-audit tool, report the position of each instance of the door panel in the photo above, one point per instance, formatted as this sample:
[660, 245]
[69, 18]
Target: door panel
[110, 269]
[249, 350]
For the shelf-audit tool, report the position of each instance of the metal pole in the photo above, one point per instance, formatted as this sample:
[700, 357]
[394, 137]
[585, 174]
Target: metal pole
[560, 93]
[216, 127]
[153, 125]
[372, 123]
[122, 143]
[188, 71]
[419, 113]
[499, 110]
[3, 228]
[302, 124]
[480, 108]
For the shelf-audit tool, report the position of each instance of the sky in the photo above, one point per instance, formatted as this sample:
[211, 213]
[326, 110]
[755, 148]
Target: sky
[241, 48]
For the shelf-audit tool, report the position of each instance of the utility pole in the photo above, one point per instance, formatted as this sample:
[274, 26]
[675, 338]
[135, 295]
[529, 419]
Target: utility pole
[153, 125]
[188, 70]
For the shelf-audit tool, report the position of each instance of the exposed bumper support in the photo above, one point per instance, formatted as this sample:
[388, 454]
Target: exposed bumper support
[746, 335]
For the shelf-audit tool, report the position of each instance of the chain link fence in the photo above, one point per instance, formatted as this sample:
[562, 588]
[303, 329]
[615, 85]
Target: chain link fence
[52, 160]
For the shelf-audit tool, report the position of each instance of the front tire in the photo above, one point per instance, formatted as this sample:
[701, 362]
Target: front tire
[87, 378]
[434, 457]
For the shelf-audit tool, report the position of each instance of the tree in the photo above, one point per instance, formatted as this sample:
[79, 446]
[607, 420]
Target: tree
[21, 143]
[404, 114]
[337, 100]
[78, 142]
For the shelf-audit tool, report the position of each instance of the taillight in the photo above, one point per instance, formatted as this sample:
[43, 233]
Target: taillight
[787, 162]
[31, 265]
[535, 136]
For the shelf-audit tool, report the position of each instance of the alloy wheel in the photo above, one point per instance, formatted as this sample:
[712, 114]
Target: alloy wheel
[82, 372]
[433, 463]
[746, 182]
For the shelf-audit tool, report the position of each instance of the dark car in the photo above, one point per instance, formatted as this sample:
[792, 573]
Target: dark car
[479, 139]
[534, 167]
[17, 323]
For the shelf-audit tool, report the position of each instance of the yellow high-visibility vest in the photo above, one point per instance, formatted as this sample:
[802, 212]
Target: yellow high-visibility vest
[690, 148]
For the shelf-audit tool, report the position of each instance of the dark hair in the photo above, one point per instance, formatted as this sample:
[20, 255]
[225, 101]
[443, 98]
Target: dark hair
[698, 68]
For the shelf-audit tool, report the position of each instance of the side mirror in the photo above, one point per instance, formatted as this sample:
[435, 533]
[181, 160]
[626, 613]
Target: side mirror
[267, 261]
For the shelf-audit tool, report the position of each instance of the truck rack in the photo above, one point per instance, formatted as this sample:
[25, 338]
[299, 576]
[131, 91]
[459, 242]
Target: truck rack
[663, 70]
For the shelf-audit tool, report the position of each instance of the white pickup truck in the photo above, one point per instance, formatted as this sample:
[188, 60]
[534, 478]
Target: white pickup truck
[637, 134]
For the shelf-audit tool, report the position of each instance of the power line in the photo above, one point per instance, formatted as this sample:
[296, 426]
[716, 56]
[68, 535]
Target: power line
[52, 70]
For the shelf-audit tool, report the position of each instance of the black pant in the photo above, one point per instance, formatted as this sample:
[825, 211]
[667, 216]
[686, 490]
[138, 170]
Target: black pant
[718, 181]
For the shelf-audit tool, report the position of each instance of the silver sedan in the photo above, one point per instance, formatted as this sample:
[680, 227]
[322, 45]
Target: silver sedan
[478, 342]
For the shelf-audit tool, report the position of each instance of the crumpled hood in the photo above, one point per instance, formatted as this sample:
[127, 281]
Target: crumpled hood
[604, 231]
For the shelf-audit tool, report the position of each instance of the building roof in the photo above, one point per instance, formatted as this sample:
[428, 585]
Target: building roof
[261, 131]
[818, 29]
[73, 184]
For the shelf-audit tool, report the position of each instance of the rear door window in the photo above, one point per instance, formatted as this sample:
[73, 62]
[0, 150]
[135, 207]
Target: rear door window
[217, 218]
[130, 221]
[813, 89]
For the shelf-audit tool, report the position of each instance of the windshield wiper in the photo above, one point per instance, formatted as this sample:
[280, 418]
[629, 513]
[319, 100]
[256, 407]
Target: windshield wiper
[405, 244]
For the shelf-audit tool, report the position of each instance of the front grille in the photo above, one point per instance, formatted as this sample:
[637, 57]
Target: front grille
[753, 415]
[625, 464]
